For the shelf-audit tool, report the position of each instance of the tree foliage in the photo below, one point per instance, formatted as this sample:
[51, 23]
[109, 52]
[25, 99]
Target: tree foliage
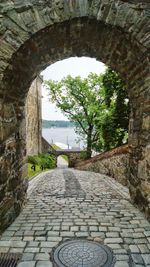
[97, 105]
[115, 124]
[81, 100]
[42, 160]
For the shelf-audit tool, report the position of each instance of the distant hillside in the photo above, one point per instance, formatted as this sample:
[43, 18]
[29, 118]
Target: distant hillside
[58, 124]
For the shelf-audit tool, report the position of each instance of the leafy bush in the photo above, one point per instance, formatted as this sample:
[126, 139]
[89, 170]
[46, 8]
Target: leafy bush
[33, 160]
[47, 161]
[43, 160]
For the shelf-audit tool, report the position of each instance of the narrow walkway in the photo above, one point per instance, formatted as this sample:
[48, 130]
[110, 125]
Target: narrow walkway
[61, 163]
[67, 204]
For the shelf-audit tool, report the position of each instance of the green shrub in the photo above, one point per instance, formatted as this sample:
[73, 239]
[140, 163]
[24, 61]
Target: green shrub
[33, 160]
[43, 160]
[47, 161]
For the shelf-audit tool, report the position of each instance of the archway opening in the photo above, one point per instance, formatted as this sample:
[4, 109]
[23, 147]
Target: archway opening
[62, 161]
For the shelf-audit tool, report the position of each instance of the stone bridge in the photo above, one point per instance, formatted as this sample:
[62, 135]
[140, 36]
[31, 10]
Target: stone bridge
[35, 34]
[74, 155]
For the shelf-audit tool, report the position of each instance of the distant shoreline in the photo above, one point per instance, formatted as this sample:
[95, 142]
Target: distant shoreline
[47, 124]
[57, 127]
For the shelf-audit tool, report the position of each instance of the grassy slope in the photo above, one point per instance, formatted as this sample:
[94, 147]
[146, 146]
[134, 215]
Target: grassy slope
[32, 172]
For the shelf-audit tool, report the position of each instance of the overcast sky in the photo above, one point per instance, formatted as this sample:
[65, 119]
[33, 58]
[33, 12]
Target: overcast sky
[74, 66]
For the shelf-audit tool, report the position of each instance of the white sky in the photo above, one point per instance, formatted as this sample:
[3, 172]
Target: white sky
[74, 66]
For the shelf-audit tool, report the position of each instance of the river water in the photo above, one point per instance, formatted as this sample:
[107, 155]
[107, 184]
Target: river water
[63, 137]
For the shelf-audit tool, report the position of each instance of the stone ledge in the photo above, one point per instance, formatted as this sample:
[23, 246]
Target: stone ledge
[105, 155]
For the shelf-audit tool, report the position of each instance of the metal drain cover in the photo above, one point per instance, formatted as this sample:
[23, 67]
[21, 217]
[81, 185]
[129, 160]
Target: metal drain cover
[9, 259]
[81, 253]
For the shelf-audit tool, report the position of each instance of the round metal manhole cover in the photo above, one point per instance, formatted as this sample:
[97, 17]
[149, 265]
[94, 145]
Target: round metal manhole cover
[80, 253]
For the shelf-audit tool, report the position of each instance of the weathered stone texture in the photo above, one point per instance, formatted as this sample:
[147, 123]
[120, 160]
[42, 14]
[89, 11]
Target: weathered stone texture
[73, 158]
[37, 33]
[114, 163]
[12, 184]
[34, 118]
[45, 146]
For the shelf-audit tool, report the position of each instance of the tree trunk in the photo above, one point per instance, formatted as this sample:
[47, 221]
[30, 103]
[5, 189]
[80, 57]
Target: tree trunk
[89, 144]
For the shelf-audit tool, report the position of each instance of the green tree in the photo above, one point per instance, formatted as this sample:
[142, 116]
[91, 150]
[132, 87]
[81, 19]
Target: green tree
[98, 105]
[82, 100]
[114, 128]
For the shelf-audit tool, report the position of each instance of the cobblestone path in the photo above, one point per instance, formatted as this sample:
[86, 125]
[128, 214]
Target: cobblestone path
[68, 204]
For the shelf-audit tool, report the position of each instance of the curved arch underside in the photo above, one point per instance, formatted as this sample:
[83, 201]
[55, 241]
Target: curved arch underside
[78, 37]
[37, 33]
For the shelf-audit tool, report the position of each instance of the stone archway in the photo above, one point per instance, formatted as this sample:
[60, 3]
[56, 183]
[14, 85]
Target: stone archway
[35, 34]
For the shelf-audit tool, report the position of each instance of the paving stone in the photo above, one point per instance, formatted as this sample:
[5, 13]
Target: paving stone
[134, 249]
[27, 264]
[54, 238]
[4, 249]
[48, 244]
[67, 234]
[8, 234]
[42, 256]
[27, 257]
[44, 264]
[126, 234]
[147, 233]
[114, 229]
[82, 234]
[113, 240]
[102, 229]
[5, 243]
[93, 228]
[120, 251]
[18, 244]
[53, 233]
[74, 228]
[28, 238]
[138, 235]
[137, 258]
[146, 258]
[121, 264]
[114, 246]
[144, 248]
[33, 244]
[140, 241]
[40, 238]
[122, 257]
[31, 249]
[56, 228]
[65, 227]
[112, 234]
[97, 234]
[45, 250]
[84, 228]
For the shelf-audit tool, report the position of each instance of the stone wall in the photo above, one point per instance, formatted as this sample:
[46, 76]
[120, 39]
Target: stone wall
[26, 139]
[13, 169]
[114, 163]
[74, 158]
[34, 118]
[45, 146]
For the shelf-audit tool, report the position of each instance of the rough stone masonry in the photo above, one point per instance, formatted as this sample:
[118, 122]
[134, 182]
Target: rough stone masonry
[35, 34]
